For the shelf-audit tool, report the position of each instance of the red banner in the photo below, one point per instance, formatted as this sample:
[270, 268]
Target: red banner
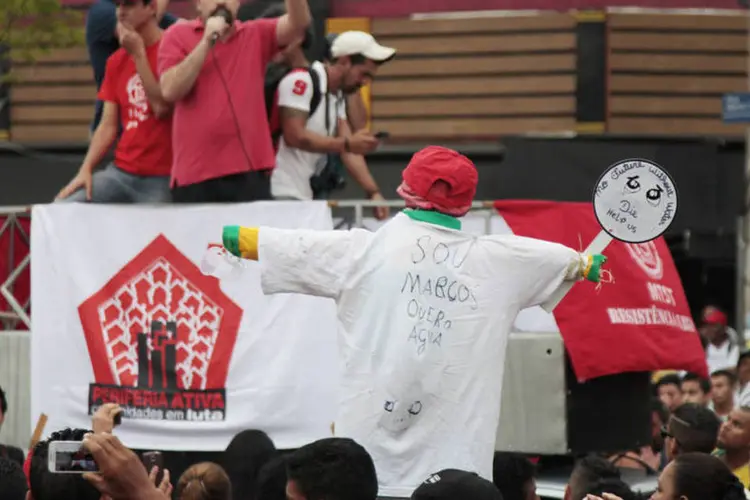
[640, 322]
[13, 249]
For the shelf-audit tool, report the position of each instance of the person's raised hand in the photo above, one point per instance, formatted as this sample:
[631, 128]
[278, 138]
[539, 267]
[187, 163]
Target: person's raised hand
[215, 25]
[362, 142]
[165, 486]
[122, 475]
[104, 419]
[130, 40]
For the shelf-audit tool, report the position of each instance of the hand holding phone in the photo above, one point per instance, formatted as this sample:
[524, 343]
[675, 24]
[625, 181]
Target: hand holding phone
[382, 135]
[153, 459]
[70, 457]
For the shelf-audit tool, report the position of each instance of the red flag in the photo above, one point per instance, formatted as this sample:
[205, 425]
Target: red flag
[641, 322]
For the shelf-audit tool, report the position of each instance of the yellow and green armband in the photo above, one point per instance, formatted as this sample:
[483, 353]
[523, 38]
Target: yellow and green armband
[592, 270]
[241, 241]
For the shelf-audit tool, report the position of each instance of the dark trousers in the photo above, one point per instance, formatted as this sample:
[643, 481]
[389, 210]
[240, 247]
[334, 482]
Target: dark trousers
[247, 186]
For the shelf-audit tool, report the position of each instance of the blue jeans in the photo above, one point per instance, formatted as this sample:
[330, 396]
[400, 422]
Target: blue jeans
[114, 185]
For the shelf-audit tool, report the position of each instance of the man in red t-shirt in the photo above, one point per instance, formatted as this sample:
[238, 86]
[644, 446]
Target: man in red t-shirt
[132, 97]
[213, 70]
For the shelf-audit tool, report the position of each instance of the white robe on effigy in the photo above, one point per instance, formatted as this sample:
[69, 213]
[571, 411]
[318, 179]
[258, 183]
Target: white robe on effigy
[425, 312]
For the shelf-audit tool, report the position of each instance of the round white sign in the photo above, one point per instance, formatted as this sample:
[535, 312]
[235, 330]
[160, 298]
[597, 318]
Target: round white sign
[635, 200]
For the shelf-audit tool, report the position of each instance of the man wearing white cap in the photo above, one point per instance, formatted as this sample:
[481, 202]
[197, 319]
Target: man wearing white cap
[312, 115]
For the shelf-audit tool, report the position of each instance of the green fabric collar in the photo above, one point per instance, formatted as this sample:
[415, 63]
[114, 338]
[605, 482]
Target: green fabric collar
[432, 217]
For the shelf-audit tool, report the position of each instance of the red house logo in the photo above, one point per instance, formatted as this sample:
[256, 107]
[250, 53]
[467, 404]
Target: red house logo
[160, 336]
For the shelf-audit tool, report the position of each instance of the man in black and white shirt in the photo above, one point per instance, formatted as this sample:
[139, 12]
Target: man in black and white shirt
[310, 135]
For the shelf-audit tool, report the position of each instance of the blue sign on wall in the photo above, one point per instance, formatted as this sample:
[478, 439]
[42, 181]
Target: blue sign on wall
[735, 107]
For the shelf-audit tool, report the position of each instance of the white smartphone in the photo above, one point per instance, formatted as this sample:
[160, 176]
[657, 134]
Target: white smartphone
[69, 457]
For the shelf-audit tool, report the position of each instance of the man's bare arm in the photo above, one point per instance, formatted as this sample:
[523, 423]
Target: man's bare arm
[357, 166]
[178, 81]
[296, 134]
[356, 111]
[292, 25]
[160, 107]
[161, 9]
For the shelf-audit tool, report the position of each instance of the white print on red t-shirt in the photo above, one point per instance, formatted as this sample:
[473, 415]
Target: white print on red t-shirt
[138, 108]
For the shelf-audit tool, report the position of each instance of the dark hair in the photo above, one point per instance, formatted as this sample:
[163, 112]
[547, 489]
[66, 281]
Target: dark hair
[203, 481]
[12, 453]
[242, 460]
[699, 476]
[658, 407]
[588, 472]
[704, 383]
[725, 373]
[613, 486]
[333, 469]
[12, 480]
[700, 429]
[48, 486]
[670, 379]
[271, 484]
[510, 472]
[3, 402]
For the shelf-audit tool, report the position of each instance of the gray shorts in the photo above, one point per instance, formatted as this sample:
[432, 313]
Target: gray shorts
[114, 185]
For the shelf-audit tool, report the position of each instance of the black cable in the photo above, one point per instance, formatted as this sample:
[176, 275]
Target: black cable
[231, 108]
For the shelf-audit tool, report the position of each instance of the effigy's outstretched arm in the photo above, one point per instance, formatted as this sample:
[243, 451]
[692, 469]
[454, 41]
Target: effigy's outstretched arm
[241, 241]
[588, 267]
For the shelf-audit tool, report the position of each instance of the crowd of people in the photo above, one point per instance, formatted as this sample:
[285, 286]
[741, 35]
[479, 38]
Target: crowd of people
[217, 109]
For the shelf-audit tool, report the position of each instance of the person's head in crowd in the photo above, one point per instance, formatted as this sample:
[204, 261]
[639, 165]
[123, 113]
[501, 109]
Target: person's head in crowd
[354, 60]
[698, 476]
[513, 474]
[691, 428]
[743, 368]
[243, 459]
[12, 480]
[734, 435]
[587, 473]
[696, 389]
[723, 384]
[714, 325]
[669, 391]
[659, 419]
[46, 485]
[204, 481]
[207, 8]
[3, 407]
[453, 484]
[613, 486]
[271, 483]
[136, 14]
[12, 453]
[331, 469]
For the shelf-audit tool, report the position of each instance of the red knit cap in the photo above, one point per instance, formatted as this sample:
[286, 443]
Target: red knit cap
[431, 165]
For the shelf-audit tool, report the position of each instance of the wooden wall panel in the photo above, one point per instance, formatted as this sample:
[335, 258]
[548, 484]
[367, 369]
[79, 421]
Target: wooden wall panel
[52, 100]
[668, 72]
[456, 79]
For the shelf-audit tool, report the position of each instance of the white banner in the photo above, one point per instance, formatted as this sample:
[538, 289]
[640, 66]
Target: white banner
[122, 313]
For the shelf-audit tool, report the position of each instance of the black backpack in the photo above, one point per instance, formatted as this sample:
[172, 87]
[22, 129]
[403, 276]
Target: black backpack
[274, 74]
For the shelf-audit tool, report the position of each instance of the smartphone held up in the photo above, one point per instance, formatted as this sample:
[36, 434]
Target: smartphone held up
[70, 457]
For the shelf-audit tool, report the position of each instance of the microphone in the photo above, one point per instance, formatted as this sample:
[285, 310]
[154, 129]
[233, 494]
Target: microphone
[221, 11]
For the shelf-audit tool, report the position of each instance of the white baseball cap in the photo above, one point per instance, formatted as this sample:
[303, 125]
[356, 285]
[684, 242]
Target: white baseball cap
[350, 43]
